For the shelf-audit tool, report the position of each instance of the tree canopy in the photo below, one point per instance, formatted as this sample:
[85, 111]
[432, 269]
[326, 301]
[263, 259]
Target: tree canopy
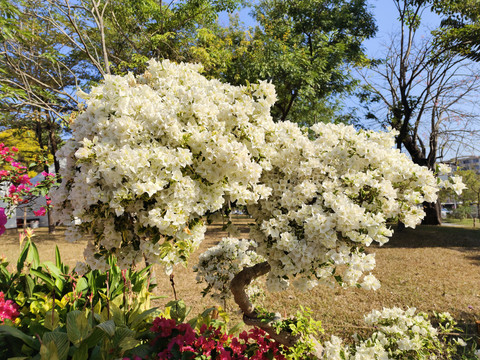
[460, 30]
[305, 48]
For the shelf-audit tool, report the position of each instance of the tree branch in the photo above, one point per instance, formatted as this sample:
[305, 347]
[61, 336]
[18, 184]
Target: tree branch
[250, 315]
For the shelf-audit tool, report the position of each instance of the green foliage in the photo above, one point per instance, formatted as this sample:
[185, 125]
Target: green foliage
[305, 328]
[460, 28]
[29, 149]
[468, 198]
[8, 24]
[47, 292]
[305, 49]
[84, 335]
[180, 31]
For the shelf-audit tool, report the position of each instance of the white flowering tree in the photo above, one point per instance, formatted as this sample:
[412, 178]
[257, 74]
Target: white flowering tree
[152, 156]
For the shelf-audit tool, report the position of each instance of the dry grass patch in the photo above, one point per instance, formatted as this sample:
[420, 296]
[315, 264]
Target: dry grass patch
[430, 268]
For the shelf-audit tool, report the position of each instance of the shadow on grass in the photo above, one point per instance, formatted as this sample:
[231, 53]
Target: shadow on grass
[436, 236]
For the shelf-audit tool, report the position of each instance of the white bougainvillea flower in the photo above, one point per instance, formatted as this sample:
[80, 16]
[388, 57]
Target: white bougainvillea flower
[152, 155]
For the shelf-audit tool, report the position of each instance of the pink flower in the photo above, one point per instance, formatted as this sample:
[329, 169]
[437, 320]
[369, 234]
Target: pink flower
[40, 212]
[3, 221]
[8, 309]
[12, 189]
[24, 179]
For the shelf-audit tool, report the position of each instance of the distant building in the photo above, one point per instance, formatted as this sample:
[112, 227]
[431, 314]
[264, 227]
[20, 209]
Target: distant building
[466, 163]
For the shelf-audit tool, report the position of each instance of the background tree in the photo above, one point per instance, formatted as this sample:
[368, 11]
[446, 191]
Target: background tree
[305, 48]
[460, 28]
[58, 46]
[471, 195]
[26, 142]
[428, 93]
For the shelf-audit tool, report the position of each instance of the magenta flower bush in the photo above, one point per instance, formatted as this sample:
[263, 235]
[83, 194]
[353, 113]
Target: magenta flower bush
[21, 191]
[8, 309]
[174, 340]
[3, 220]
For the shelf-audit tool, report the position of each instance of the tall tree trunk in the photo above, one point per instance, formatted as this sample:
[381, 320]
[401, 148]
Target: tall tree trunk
[433, 213]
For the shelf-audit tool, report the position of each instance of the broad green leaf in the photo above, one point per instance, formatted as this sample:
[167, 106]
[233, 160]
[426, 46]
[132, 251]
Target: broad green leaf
[82, 284]
[12, 331]
[94, 338]
[33, 256]
[48, 351]
[108, 327]
[81, 353]
[61, 341]
[78, 327]
[29, 284]
[117, 314]
[136, 319]
[52, 320]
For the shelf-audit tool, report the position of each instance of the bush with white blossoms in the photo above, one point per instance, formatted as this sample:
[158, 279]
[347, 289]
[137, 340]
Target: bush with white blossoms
[152, 155]
[333, 190]
[401, 334]
[219, 264]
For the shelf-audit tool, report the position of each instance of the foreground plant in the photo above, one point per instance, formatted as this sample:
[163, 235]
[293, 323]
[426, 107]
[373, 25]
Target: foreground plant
[153, 156]
[44, 293]
[403, 334]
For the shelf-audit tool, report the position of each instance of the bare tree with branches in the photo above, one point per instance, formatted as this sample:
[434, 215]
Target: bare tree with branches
[426, 94]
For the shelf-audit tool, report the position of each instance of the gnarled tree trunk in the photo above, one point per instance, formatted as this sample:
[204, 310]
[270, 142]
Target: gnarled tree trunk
[250, 315]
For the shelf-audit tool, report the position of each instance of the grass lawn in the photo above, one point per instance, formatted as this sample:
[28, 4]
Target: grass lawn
[430, 268]
[463, 222]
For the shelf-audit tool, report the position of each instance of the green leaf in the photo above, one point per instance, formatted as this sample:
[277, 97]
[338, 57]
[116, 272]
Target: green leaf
[48, 351]
[53, 270]
[82, 284]
[61, 341]
[117, 314]
[45, 277]
[78, 327]
[136, 319]
[23, 256]
[58, 259]
[33, 256]
[94, 338]
[178, 310]
[108, 327]
[28, 340]
[30, 285]
[52, 319]
[81, 353]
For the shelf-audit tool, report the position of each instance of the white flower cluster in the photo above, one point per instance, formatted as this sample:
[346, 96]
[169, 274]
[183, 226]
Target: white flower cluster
[218, 265]
[151, 155]
[454, 183]
[398, 335]
[333, 190]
